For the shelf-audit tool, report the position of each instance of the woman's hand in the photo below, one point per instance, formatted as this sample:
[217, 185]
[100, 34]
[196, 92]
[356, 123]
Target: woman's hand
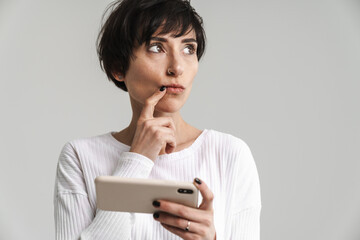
[187, 222]
[151, 133]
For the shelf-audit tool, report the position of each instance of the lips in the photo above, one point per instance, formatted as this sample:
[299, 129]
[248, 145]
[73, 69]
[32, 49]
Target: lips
[174, 88]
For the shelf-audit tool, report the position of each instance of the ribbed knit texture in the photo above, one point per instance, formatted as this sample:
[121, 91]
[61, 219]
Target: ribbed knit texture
[222, 161]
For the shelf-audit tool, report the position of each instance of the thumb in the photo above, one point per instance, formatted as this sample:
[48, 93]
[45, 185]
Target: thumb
[206, 193]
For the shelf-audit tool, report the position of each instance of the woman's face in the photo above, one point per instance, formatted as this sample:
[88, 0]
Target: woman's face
[166, 60]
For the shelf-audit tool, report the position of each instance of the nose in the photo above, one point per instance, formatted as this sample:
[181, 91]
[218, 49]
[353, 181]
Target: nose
[175, 67]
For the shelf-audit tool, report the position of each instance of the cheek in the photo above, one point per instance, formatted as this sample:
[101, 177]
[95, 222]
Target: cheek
[193, 69]
[145, 73]
[196, 68]
[142, 79]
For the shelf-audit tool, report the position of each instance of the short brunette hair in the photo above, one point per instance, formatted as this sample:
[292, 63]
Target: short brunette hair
[133, 22]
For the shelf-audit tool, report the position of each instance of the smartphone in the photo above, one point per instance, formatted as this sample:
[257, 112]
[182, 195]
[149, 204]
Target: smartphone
[137, 194]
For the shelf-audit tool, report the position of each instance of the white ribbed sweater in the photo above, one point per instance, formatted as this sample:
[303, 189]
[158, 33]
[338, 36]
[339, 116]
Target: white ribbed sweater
[222, 161]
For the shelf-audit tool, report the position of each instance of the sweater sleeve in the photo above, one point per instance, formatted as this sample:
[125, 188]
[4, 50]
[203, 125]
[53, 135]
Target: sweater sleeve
[245, 224]
[246, 207]
[75, 218]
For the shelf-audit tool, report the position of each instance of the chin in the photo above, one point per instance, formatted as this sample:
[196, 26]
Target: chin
[169, 108]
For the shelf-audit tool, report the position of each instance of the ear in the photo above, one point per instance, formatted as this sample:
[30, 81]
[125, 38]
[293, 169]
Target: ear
[118, 76]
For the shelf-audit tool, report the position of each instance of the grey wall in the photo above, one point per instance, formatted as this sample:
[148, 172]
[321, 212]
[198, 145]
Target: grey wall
[281, 75]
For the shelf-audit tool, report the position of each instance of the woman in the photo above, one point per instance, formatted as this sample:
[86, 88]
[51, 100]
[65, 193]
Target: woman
[151, 49]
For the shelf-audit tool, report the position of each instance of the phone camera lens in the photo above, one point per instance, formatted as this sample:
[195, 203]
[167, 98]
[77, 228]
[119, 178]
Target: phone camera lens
[187, 191]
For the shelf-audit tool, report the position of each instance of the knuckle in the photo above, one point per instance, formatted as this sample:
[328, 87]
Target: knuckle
[207, 222]
[183, 212]
[147, 124]
[148, 102]
[202, 231]
[179, 221]
[211, 196]
[157, 135]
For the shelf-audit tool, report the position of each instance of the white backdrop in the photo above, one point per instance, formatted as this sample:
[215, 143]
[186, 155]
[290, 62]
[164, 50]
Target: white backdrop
[281, 75]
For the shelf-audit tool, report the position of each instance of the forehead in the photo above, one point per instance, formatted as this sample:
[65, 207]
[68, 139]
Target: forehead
[190, 33]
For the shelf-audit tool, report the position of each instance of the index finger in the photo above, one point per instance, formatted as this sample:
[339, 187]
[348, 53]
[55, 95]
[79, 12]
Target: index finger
[150, 103]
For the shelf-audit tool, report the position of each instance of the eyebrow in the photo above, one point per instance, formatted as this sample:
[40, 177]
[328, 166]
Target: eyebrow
[186, 40]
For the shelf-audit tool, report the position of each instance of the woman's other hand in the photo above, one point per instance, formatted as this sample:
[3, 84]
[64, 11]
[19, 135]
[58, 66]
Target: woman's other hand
[187, 222]
[151, 133]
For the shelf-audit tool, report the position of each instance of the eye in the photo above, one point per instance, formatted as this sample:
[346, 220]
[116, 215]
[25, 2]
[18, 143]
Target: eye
[155, 47]
[189, 49]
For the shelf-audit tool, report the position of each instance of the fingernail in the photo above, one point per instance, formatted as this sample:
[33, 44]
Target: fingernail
[156, 203]
[197, 181]
[156, 215]
[162, 88]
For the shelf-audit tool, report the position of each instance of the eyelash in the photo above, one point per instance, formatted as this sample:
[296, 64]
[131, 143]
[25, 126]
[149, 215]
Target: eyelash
[191, 46]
